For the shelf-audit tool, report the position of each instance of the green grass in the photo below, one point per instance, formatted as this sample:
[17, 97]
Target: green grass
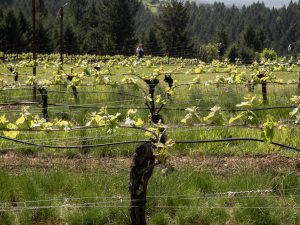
[185, 201]
[202, 96]
[187, 189]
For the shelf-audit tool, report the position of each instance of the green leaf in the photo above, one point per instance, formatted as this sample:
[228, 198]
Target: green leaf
[248, 103]
[3, 119]
[215, 116]
[87, 71]
[20, 121]
[251, 118]
[237, 118]
[184, 120]
[139, 122]
[11, 134]
[296, 99]
[268, 130]
[294, 112]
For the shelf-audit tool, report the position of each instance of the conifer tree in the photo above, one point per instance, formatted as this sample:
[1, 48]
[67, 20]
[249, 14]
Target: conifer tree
[120, 14]
[70, 40]
[12, 36]
[78, 9]
[152, 43]
[172, 27]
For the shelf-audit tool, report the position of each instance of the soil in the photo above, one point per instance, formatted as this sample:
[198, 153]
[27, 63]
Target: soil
[221, 165]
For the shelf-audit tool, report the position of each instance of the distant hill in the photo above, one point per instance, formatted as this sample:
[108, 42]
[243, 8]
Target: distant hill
[240, 3]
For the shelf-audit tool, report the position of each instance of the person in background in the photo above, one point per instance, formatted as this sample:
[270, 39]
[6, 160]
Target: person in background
[290, 48]
[140, 52]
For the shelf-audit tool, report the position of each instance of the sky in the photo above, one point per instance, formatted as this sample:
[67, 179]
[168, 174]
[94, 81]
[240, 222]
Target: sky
[239, 3]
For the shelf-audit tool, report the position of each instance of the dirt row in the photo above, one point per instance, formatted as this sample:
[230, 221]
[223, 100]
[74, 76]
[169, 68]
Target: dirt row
[217, 164]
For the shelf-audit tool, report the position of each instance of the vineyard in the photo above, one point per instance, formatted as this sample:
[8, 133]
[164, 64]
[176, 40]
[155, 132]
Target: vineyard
[225, 135]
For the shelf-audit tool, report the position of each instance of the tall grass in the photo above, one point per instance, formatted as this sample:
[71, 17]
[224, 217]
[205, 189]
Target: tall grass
[181, 197]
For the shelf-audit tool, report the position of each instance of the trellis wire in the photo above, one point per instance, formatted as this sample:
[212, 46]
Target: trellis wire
[91, 205]
[117, 198]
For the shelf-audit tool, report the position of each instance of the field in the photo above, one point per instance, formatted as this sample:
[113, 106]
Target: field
[72, 167]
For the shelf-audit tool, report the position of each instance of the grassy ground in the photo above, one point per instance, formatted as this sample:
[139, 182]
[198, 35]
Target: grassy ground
[202, 96]
[186, 194]
[183, 194]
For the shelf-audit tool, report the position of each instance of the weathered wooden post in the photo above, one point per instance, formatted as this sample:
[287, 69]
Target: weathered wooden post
[61, 10]
[263, 87]
[44, 95]
[16, 76]
[298, 91]
[33, 48]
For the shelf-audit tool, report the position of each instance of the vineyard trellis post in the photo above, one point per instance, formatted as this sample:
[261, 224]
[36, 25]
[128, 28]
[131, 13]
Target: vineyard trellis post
[263, 87]
[16, 76]
[34, 48]
[61, 34]
[264, 91]
[44, 95]
[298, 91]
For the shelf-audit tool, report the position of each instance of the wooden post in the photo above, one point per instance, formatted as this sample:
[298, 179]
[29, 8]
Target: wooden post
[298, 92]
[16, 76]
[263, 88]
[44, 95]
[33, 49]
[264, 91]
[62, 34]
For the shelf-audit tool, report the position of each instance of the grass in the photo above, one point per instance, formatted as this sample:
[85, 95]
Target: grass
[202, 96]
[188, 188]
[187, 201]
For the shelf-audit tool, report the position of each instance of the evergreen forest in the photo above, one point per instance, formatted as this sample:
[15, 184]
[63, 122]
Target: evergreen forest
[174, 28]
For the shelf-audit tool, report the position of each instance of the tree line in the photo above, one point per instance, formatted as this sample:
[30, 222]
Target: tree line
[173, 28]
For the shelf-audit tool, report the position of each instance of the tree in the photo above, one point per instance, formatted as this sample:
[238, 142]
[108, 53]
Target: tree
[152, 43]
[25, 31]
[232, 53]
[92, 29]
[221, 36]
[249, 37]
[78, 8]
[172, 25]
[120, 16]
[253, 39]
[1, 30]
[12, 35]
[41, 8]
[260, 40]
[70, 40]
[208, 52]
[43, 38]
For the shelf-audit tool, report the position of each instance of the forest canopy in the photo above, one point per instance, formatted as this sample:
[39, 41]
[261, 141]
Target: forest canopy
[117, 26]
